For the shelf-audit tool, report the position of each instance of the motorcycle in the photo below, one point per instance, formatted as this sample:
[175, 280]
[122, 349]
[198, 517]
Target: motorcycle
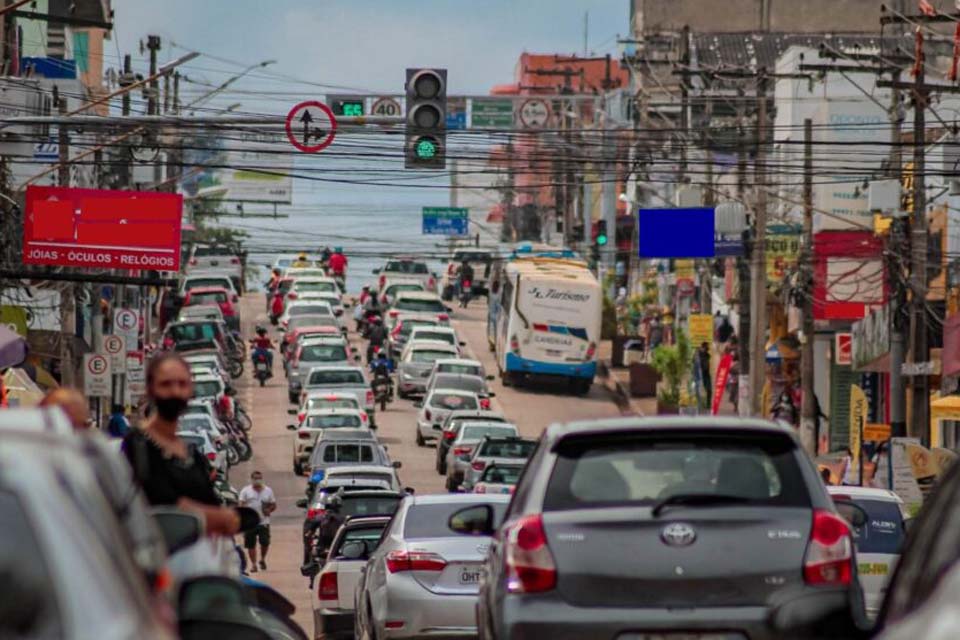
[276, 309]
[341, 283]
[261, 366]
[235, 367]
[466, 293]
[382, 391]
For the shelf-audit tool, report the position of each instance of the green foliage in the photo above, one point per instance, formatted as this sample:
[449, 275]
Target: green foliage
[673, 363]
[608, 321]
[221, 236]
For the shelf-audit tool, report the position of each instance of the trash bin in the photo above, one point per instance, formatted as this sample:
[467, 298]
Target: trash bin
[618, 347]
[643, 380]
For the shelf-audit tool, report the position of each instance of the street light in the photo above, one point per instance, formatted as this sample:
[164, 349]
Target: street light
[173, 64]
[229, 81]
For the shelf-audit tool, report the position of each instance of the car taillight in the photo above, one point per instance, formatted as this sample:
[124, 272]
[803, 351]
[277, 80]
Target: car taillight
[211, 456]
[514, 344]
[513, 488]
[193, 262]
[442, 317]
[530, 565]
[478, 466]
[300, 416]
[369, 396]
[484, 403]
[234, 260]
[431, 283]
[328, 587]
[428, 415]
[448, 435]
[829, 557]
[292, 295]
[313, 513]
[591, 350]
[303, 435]
[461, 451]
[393, 313]
[398, 561]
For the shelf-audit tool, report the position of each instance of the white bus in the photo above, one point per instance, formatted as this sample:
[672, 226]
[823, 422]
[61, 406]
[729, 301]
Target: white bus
[547, 321]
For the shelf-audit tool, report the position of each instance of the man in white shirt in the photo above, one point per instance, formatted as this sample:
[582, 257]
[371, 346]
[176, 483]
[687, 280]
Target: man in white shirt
[259, 497]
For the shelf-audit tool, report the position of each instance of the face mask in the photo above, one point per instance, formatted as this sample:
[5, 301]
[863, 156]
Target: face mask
[258, 483]
[170, 408]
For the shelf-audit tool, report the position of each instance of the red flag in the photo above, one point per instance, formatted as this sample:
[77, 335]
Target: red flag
[926, 8]
[723, 373]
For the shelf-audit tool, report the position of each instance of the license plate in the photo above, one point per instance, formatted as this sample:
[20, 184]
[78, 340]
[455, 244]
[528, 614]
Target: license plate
[261, 366]
[214, 263]
[556, 353]
[469, 576]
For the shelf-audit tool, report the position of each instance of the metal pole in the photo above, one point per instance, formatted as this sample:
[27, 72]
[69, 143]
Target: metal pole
[67, 292]
[809, 434]
[758, 262]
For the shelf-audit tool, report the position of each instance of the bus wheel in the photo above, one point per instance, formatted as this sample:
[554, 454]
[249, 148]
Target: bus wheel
[506, 378]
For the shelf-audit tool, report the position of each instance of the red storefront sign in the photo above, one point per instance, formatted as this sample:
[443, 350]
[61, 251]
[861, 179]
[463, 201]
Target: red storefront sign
[848, 275]
[133, 230]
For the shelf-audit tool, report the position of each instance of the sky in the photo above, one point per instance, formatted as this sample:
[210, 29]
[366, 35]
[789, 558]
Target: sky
[361, 45]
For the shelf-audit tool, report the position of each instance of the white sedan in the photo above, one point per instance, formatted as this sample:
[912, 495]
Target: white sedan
[435, 408]
[315, 423]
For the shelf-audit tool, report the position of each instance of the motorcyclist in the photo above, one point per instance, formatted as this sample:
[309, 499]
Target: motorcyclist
[330, 523]
[466, 284]
[302, 261]
[338, 263]
[262, 345]
[325, 256]
[381, 366]
[377, 335]
[272, 285]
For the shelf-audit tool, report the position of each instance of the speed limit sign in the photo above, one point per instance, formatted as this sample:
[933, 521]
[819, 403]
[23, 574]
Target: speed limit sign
[386, 107]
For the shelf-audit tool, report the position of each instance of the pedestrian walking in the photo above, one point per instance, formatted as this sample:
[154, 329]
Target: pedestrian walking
[118, 425]
[259, 497]
[702, 362]
[724, 331]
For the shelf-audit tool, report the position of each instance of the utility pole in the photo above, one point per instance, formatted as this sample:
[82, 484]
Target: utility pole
[744, 287]
[920, 399]
[684, 101]
[68, 309]
[153, 107]
[758, 259]
[898, 301]
[809, 434]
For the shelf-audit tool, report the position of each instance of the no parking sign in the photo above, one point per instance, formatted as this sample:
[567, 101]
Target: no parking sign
[96, 375]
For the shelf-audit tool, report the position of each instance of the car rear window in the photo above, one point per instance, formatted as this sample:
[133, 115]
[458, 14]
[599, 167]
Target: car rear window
[192, 331]
[512, 449]
[426, 357]
[463, 383]
[348, 453]
[206, 389]
[202, 283]
[442, 336]
[368, 535]
[426, 306]
[193, 442]
[334, 421]
[338, 403]
[409, 325]
[369, 506]
[642, 470]
[501, 474]
[323, 353]
[403, 266]
[194, 422]
[315, 286]
[478, 432]
[207, 298]
[430, 520]
[394, 289]
[883, 530]
[312, 320]
[335, 376]
[467, 369]
[453, 402]
[212, 251]
[308, 309]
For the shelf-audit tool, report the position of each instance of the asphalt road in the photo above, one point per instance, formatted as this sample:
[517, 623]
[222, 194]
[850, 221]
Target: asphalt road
[531, 408]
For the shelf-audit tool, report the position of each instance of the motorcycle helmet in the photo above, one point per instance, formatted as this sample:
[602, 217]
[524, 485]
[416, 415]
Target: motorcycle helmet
[302, 256]
[338, 249]
[261, 331]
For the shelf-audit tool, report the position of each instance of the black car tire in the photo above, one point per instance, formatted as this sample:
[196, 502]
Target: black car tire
[298, 468]
[420, 441]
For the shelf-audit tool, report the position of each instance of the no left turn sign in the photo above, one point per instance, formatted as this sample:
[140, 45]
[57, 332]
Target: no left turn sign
[311, 126]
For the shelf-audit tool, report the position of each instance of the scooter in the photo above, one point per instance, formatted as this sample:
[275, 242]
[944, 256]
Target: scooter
[382, 391]
[466, 293]
[261, 366]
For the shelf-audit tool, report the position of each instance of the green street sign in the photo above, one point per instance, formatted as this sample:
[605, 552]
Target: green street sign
[491, 113]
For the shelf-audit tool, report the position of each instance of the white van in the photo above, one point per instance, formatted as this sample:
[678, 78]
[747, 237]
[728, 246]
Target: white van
[548, 321]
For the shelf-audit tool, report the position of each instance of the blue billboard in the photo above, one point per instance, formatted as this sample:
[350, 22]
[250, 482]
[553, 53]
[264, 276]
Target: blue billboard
[676, 233]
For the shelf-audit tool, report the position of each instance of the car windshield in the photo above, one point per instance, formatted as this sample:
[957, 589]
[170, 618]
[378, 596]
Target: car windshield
[883, 530]
[467, 369]
[442, 336]
[333, 421]
[213, 297]
[206, 312]
[203, 283]
[424, 306]
[318, 287]
[394, 289]
[369, 506]
[336, 376]
[406, 266]
[463, 383]
[507, 449]
[501, 474]
[430, 520]
[645, 469]
[310, 309]
[453, 401]
[323, 353]
[479, 432]
[206, 388]
[336, 403]
[426, 356]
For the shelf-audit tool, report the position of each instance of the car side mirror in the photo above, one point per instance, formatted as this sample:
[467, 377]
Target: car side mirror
[491, 395]
[235, 299]
[249, 519]
[821, 614]
[179, 529]
[396, 464]
[409, 491]
[356, 357]
[448, 309]
[302, 503]
[291, 412]
[291, 427]
[477, 520]
[353, 550]
[375, 271]
[230, 391]
[462, 343]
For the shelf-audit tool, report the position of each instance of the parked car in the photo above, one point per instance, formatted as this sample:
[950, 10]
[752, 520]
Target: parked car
[435, 407]
[495, 451]
[417, 362]
[315, 423]
[220, 297]
[341, 379]
[469, 437]
[201, 441]
[422, 579]
[333, 607]
[314, 353]
[723, 518]
[324, 400]
[450, 427]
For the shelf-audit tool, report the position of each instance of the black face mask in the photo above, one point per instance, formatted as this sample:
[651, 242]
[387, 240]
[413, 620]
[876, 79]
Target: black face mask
[170, 408]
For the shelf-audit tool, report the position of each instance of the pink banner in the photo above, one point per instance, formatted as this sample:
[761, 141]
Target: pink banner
[723, 372]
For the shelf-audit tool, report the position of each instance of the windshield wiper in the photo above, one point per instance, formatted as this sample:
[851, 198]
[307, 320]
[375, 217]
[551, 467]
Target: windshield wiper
[693, 499]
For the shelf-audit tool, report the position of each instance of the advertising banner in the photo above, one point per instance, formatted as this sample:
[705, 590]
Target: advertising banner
[720, 384]
[97, 228]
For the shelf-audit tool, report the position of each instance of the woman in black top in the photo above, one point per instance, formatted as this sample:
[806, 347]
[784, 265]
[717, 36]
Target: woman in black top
[168, 471]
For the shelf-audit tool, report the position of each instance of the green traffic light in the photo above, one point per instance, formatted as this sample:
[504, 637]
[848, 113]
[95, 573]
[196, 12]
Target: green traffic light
[601, 240]
[425, 148]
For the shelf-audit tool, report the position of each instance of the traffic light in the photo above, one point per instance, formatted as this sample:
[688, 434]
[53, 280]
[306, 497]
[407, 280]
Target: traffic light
[426, 130]
[601, 238]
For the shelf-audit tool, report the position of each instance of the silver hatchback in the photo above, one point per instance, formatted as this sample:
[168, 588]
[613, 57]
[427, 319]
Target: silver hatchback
[423, 579]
